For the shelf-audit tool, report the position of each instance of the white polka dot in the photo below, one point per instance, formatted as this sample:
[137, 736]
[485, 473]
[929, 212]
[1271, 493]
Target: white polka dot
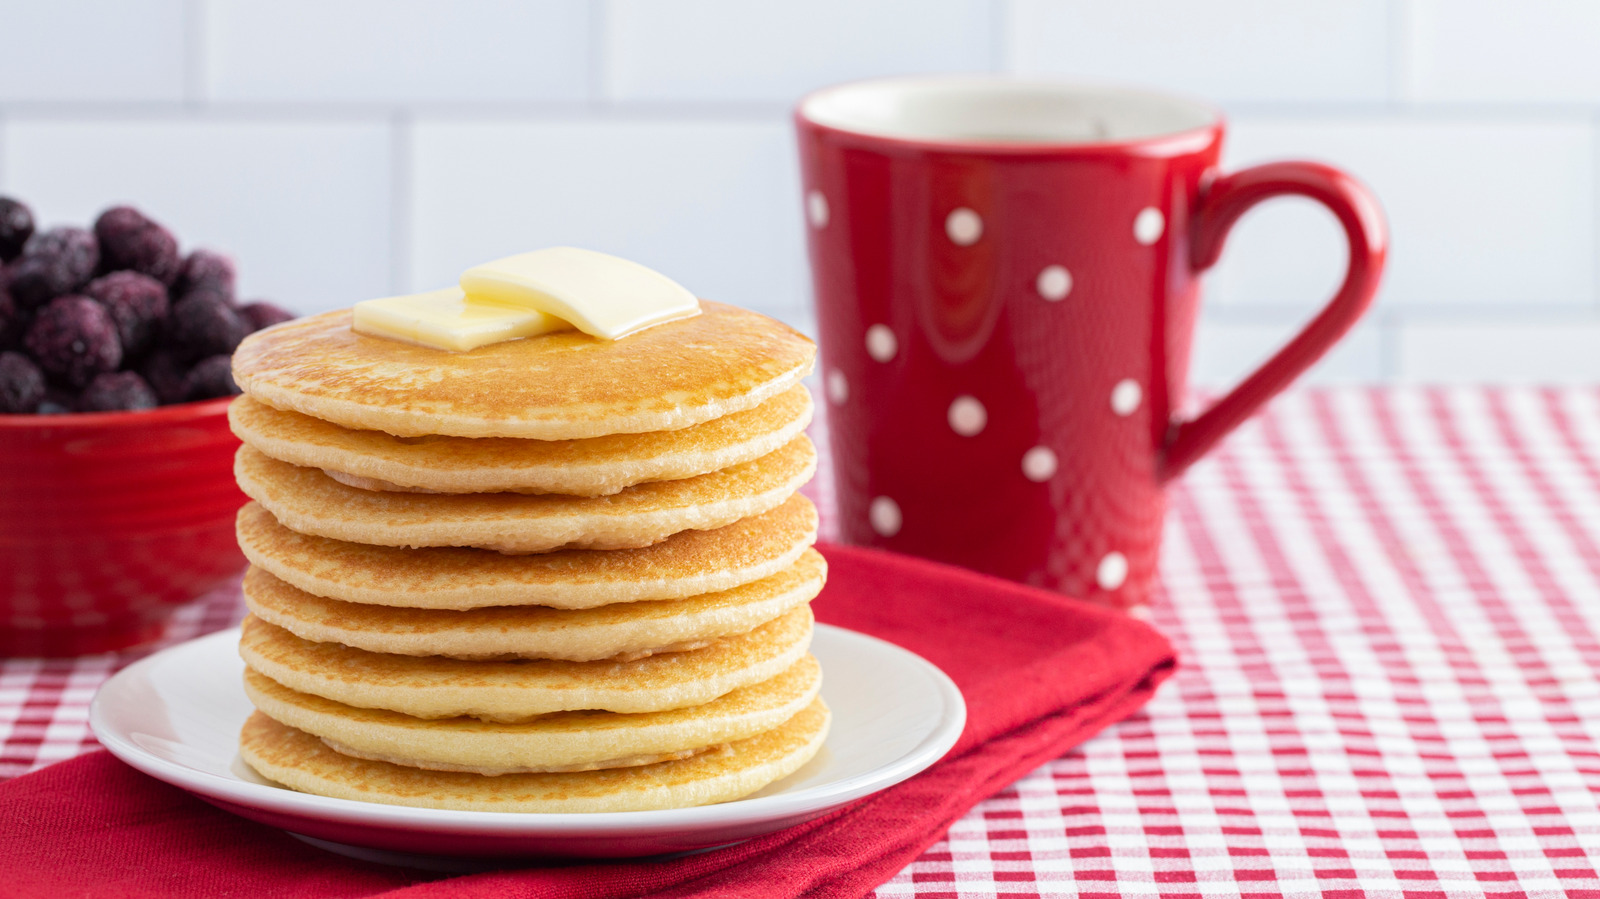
[967, 416]
[881, 343]
[1054, 283]
[1140, 611]
[838, 387]
[817, 209]
[1149, 224]
[963, 226]
[1125, 396]
[1112, 571]
[1039, 464]
[884, 516]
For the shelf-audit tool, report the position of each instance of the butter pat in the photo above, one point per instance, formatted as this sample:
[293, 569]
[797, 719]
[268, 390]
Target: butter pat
[599, 294]
[445, 320]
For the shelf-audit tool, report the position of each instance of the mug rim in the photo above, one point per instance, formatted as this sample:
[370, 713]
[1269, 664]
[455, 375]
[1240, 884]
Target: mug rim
[1171, 142]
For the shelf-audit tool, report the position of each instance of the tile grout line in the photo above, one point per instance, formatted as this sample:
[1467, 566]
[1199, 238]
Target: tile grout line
[1267, 314]
[303, 110]
[736, 110]
[1497, 112]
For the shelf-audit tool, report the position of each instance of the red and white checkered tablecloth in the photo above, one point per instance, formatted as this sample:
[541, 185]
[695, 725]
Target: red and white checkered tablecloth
[1387, 606]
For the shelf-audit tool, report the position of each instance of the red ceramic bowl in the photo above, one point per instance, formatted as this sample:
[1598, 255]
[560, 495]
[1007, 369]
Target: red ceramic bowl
[109, 521]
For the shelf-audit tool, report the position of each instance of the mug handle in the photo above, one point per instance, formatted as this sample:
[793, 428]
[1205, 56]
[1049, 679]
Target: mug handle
[1221, 204]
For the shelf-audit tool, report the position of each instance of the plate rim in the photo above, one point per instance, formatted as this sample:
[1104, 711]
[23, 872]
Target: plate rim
[928, 751]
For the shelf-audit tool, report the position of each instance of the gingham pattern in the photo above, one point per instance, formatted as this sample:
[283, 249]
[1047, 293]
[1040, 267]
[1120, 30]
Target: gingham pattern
[1387, 605]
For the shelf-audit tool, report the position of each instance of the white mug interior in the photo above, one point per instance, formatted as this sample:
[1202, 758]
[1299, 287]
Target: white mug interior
[989, 109]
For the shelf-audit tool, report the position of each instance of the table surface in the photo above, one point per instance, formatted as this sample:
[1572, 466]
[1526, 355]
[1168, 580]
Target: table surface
[1386, 603]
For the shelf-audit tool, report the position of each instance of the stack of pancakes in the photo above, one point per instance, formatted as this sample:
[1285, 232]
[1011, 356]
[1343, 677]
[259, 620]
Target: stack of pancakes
[558, 574]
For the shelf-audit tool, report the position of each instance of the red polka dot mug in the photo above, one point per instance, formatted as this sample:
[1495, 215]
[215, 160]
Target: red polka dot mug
[1007, 278]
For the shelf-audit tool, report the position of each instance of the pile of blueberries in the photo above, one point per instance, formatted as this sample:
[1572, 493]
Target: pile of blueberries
[115, 318]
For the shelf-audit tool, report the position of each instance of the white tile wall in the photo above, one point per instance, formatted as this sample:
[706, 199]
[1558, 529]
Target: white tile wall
[722, 50]
[73, 50]
[713, 204]
[348, 148]
[1484, 211]
[304, 206]
[1286, 253]
[397, 50]
[1500, 51]
[1528, 349]
[1225, 352]
[1225, 49]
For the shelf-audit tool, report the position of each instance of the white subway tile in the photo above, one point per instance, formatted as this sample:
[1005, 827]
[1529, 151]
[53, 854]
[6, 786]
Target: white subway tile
[1256, 50]
[1481, 212]
[712, 204]
[1225, 352]
[736, 50]
[1502, 350]
[303, 207]
[92, 50]
[1288, 252]
[1532, 51]
[397, 50]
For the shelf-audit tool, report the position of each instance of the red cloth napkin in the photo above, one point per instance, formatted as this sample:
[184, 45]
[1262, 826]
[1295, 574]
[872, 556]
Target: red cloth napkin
[1040, 674]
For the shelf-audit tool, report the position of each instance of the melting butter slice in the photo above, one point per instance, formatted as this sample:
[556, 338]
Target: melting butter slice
[599, 294]
[446, 320]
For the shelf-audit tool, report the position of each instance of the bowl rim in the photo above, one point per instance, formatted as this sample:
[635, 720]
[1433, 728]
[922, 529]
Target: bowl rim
[177, 412]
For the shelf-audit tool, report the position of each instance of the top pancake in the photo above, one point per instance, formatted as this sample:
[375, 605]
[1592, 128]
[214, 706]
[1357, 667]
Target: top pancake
[553, 387]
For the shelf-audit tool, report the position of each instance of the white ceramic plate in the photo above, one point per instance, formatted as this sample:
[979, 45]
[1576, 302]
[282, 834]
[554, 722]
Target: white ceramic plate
[176, 716]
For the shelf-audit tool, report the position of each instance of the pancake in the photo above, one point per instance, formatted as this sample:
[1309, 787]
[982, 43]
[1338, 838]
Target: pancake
[435, 687]
[623, 631]
[689, 563]
[553, 387]
[574, 741]
[595, 466]
[302, 762]
[307, 500]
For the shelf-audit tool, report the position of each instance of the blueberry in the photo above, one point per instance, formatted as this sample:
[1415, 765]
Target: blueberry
[74, 339]
[13, 336]
[262, 314]
[210, 377]
[203, 325]
[209, 271]
[118, 391]
[53, 263]
[137, 303]
[16, 226]
[13, 321]
[21, 384]
[210, 293]
[14, 329]
[128, 240]
[164, 373]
